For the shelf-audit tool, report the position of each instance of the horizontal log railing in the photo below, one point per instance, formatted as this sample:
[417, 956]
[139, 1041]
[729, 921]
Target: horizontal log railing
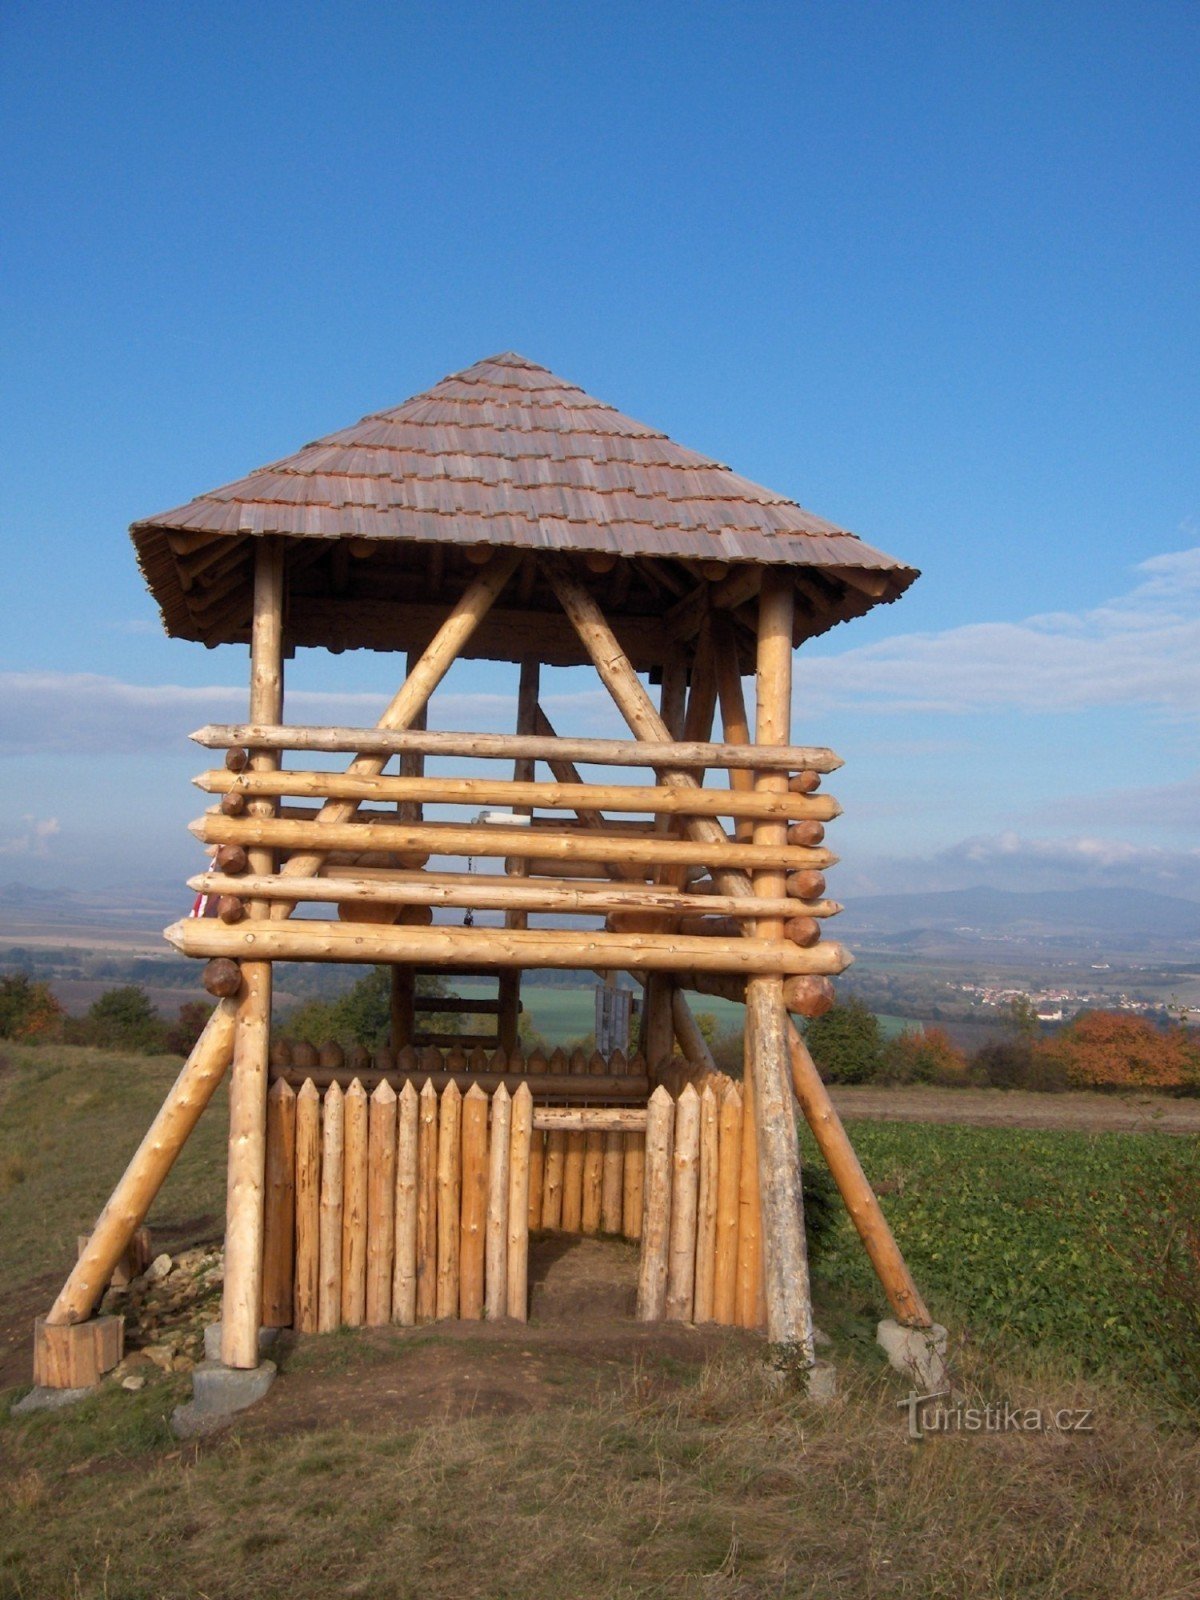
[517, 747]
[395, 886]
[477, 839]
[365, 943]
[651, 798]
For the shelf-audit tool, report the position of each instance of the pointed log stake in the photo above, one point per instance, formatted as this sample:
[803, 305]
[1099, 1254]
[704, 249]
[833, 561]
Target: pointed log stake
[656, 1208]
[413, 695]
[354, 1208]
[143, 1177]
[279, 1229]
[729, 1166]
[685, 1186]
[308, 1207]
[517, 1286]
[632, 1185]
[333, 1132]
[706, 1207]
[612, 1181]
[381, 1203]
[427, 1214]
[495, 1274]
[449, 1199]
[473, 1226]
[404, 1276]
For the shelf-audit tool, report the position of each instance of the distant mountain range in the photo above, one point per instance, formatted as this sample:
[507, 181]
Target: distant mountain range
[1125, 921]
[1094, 923]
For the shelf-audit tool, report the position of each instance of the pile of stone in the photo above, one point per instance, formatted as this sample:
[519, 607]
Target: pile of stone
[166, 1310]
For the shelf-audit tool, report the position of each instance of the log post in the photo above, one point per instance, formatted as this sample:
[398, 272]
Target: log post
[403, 1005]
[495, 1276]
[524, 769]
[242, 1291]
[308, 1207]
[656, 1207]
[517, 1288]
[381, 1203]
[404, 1275]
[785, 1254]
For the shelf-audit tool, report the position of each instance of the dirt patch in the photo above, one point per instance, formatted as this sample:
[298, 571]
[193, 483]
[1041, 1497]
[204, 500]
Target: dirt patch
[581, 1341]
[1018, 1108]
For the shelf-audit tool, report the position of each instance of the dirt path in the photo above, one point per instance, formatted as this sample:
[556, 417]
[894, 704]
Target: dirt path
[1018, 1108]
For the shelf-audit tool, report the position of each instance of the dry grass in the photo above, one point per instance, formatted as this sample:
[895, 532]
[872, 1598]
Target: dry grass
[709, 1484]
[615, 1475]
[70, 1118]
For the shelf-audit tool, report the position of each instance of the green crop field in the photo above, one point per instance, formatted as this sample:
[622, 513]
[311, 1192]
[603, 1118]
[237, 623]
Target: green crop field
[1084, 1244]
[583, 1457]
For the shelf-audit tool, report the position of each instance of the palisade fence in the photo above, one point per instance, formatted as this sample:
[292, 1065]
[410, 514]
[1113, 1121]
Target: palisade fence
[416, 1204]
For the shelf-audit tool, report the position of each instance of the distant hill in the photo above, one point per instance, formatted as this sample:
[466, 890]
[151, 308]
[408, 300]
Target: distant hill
[1121, 920]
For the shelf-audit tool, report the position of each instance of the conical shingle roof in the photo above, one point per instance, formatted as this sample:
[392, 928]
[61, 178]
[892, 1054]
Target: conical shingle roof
[502, 454]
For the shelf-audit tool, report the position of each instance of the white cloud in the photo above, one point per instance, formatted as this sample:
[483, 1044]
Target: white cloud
[32, 840]
[1140, 649]
[1158, 806]
[1010, 860]
[81, 713]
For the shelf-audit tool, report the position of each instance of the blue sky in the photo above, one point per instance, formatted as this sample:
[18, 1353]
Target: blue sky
[929, 269]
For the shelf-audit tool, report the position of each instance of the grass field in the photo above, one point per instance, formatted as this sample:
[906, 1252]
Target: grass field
[585, 1456]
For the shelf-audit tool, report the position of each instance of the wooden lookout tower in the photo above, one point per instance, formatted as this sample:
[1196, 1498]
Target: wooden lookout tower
[507, 516]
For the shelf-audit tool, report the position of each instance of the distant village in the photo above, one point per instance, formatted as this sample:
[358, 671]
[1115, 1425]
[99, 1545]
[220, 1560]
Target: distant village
[1058, 1004]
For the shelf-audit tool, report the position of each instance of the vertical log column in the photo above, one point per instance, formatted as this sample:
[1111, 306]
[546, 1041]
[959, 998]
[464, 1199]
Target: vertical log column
[404, 978]
[657, 1035]
[785, 1259]
[508, 1026]
[242, 1295]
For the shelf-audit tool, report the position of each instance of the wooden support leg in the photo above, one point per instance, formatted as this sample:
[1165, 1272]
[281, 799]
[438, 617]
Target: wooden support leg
[403, 1005]
[657, 1042]
[244, 1200]
[210, 1058]
[144, 1176]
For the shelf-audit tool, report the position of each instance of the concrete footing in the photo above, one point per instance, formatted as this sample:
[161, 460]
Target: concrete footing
[212, 1341]
[918, 1354]
[40, 1398]
[822, 1382]
[219, 1393]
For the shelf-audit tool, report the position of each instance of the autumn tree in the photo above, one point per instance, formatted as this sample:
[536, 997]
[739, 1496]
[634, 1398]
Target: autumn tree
[1118, 1050]
[924, 1055]
[28, 1010]
[846, 1043]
